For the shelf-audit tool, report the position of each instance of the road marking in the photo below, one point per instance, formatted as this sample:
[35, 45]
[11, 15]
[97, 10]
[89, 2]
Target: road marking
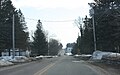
[45, 69]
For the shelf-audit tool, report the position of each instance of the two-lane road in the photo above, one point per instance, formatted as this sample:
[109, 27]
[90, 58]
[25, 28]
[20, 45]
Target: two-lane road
[69, 66]
[28, 68]
[65, 65]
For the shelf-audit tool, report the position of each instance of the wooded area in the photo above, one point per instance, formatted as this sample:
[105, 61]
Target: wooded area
[107, 27]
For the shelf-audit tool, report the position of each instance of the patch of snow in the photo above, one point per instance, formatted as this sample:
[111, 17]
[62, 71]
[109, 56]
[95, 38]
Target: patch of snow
[97, 55]
[41, 56]
[114, 55]
[76, 55]
[4, 62]
[83, 55]
[86, 55]
[19, 59]
[78, 61]
[7, 58]
[68, 54]
[16, 58]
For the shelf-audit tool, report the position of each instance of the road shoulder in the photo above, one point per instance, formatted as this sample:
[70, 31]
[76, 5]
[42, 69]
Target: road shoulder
[112, 69]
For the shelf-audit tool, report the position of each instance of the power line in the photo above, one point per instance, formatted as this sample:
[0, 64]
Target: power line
[60, 21]
[31, 19]
[52, 20]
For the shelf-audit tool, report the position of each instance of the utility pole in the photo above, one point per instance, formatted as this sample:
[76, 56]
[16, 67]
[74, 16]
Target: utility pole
[48, 45]
[13, 38]
[94, 31]
[93, 20]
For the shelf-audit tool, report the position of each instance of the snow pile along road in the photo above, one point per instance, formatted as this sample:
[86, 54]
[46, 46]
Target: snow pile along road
[97, 55]
[4, 62]
[19, 59]
[7, 60]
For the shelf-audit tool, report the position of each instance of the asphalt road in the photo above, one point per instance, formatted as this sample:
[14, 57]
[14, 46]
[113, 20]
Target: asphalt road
[70, 66]
[27, 68]
[65, 65]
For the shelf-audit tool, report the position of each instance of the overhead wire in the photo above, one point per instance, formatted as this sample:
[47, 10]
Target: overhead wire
[51, 20]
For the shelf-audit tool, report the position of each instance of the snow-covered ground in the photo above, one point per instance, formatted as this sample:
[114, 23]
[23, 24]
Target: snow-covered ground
[8, 60]
[83, 55]
[68, 54]
[41, 56]
[4, 62]
[98, 55]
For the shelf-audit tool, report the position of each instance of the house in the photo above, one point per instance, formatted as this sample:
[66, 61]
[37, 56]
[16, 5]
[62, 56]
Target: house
[69, 49]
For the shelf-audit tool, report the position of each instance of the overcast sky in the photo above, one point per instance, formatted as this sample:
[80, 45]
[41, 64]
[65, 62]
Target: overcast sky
[54, 10]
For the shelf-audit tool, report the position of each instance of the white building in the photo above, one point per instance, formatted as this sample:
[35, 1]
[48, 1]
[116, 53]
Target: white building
[69, 49]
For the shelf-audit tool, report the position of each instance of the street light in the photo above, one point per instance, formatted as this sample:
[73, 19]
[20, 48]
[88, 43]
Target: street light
[92, 14]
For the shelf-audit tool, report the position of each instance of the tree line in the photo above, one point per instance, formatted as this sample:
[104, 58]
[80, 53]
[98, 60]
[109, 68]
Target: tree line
[107, 28]
[6, 20]
[39, 45]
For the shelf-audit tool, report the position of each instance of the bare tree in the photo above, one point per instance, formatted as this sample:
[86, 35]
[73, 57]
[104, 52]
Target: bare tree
[78, 23]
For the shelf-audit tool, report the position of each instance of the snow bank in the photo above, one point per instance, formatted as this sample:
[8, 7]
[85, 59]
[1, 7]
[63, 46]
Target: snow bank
[97, 55]
[41, 57]
[114, 55]
[7, 58]
[68, 54]
[4, 62]
[18, 59]
[83, 55]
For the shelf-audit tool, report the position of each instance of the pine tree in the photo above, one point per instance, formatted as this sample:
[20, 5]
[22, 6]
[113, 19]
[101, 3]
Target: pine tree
[107, 24]
[6, 20]
[85, 41]
[21, 33]
[75, 49]
[87, 37]
[39, 41]
[6, 12]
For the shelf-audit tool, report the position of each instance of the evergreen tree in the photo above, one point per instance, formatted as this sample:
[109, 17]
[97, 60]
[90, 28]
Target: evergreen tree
[85, 41]
[39, 41]
[21, 34]
[6, 12]
[75, 49]
[107, 24]
[6, 21]
[87, 37]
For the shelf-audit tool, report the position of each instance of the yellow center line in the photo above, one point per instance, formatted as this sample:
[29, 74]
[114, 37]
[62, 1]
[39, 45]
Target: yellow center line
[44, 69]
[47, 67]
